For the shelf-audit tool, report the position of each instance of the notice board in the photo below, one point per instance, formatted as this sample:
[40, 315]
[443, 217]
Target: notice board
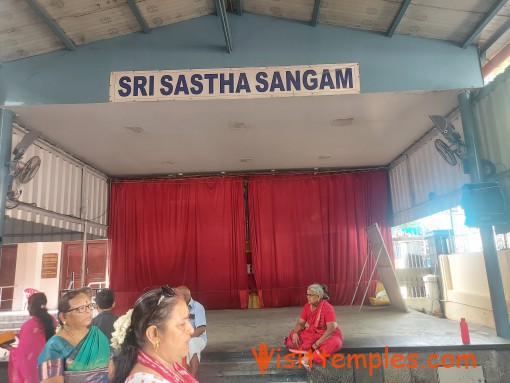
[49, 265]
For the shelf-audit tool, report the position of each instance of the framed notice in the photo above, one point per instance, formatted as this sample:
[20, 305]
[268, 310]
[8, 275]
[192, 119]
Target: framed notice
[49, 265]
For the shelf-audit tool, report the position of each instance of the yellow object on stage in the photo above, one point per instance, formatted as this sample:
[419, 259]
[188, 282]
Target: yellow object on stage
[254, 302]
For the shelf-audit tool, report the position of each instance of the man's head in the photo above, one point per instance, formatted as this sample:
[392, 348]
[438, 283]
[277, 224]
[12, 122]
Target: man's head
[87, 291]
[185, 292]
[105, 299]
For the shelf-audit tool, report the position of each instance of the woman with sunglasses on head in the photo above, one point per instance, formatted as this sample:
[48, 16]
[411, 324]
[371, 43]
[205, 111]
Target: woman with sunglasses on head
[316, 329]
[78, 353]
[156, 340]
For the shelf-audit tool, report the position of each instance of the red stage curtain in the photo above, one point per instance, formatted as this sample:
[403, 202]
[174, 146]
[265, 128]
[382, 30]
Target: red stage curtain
[177, 232]
[311, 228]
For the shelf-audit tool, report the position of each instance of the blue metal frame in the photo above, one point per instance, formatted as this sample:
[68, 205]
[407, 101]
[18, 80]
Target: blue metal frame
[239, 7]
[500, 32]
[41, 12]
[222, 12]
[6, 117]
[141, 21]
[490, 253]
[398, 18]
[483, 23]
[315, 15]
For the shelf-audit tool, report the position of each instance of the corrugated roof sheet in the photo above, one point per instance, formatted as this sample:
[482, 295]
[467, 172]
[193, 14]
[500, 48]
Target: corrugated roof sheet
[24, 34]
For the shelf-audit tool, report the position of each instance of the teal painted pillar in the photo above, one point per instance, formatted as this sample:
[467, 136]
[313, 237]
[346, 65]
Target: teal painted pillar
[490, 253]
[6, 117]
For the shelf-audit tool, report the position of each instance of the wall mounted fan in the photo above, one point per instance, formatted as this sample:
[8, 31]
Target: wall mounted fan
[21, 172]
[456, 148]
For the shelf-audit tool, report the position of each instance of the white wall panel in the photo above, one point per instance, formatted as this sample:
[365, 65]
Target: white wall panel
[492, 111]
[422, 183]
[401, 195]
[63, 192]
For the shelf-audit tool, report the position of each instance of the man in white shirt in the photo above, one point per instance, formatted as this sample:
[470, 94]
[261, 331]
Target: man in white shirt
[198, 339]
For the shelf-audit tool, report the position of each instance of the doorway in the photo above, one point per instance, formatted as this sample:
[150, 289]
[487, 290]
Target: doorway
[95, 263]
[7, 275]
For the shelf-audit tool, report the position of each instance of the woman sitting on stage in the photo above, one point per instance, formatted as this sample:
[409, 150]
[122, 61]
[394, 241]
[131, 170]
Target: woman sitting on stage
[32, 337]
[156, 340]
[77, 353]
[322, 334]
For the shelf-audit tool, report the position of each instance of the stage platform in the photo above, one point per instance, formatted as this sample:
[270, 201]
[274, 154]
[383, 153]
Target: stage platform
[372, 328]
[232, 334]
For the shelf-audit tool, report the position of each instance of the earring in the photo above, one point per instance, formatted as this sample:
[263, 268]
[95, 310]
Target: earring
[156, 345]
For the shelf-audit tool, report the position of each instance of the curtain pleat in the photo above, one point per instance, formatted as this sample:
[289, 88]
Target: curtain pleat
[311, 228]
[175, 232]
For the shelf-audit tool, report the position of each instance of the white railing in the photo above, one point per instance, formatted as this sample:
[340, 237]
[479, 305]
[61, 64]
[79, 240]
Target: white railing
[98, 285]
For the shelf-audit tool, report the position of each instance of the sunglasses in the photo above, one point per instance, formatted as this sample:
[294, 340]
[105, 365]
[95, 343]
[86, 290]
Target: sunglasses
[82, 309]
[166, 291]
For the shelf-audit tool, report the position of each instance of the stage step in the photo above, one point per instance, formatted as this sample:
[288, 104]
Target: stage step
[233, 367]
[492, 361]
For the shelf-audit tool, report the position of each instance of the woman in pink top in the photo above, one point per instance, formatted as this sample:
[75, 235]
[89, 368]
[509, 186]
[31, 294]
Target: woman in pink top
[156, 341]
[32, 337]
[322, 336]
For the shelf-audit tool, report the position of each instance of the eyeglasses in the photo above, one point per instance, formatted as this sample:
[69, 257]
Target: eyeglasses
[311, 295]
[82, 309]
[166, 291]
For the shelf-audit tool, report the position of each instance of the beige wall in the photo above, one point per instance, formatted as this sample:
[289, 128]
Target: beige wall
[465, 286]
[28, 272]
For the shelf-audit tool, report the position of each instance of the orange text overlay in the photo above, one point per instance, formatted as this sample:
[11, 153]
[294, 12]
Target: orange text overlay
[371, 361]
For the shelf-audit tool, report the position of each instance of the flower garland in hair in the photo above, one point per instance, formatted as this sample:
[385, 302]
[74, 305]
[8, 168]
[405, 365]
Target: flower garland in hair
[121, 325]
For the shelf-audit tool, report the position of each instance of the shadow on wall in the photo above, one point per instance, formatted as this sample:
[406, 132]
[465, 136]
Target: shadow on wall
[465, 286]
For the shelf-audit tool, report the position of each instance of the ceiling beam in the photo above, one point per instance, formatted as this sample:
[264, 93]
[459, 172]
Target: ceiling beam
[141, 21]
[52, 214]
[315, 14]
[483, 23]
[496, 61]
[52, 24]
[398, 18]
[495, 37]
[222, 12]
[239, 7]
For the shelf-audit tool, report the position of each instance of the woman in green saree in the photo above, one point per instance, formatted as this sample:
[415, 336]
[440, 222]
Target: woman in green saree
[77, 353]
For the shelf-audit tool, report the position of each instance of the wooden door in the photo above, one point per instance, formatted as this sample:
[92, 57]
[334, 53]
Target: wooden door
[95, 264]
[7, 274]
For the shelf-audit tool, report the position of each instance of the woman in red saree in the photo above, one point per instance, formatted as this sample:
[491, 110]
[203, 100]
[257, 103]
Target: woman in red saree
[322, 335]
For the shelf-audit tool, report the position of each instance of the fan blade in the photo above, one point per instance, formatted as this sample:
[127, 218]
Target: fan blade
[11, 200]
[29, 170]
[11, 203]
[445, 152]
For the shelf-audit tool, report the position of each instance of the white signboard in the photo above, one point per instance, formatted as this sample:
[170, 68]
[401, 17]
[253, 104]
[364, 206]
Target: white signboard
[235, 83]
